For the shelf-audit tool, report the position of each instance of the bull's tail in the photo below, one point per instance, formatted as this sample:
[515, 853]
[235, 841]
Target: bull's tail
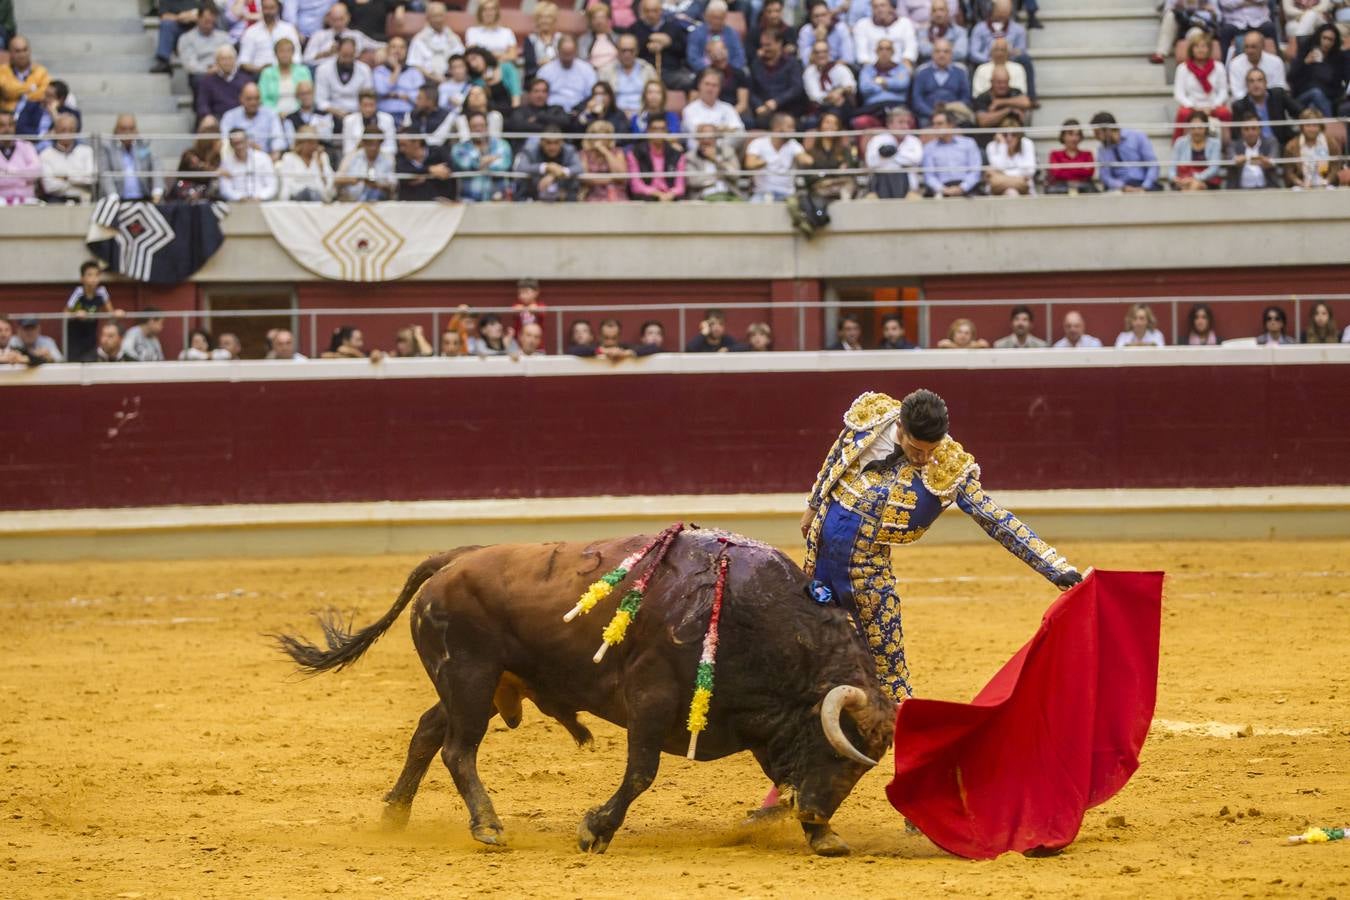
[345, 647]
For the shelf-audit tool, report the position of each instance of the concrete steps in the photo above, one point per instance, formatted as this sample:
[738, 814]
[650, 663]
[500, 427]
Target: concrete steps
[136, 63]
[1092, 66]
[1121, 29]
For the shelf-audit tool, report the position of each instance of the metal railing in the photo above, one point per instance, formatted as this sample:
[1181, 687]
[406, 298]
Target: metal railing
[306, 322]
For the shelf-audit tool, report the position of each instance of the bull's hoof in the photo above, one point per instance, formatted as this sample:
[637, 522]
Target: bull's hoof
[396, 815]
[826, 843]
[590, 837]
[491, 835]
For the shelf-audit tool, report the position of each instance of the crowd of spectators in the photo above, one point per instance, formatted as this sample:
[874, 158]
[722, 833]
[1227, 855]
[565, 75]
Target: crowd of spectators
[95, 333]
[311, 100]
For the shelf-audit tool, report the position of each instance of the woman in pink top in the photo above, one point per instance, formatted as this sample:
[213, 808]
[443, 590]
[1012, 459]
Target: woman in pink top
[1072, 168]
[600, 158]
[661, 163]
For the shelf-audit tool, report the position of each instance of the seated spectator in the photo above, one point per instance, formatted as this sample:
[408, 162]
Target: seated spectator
[885, 22]
[452, 89]
[830, 86]
[894, 158]
[652, 107]
[884, 83]
[735, 88]
[110, 346]
[346, 342]
[366, 174]
[1253, 157]
[1321, 325]
[1001, 101]
[659, 163]
[199, 165]
[758, 339]
[198, 348]
[580, 339]
[1141, 329]
[552, 168]
[1317, 76]
[1316, 156]
[282, 346]
[490, 34]
[951, 162]
[67, 165]
[38, 119]
[452, 344]
[411, 342]
[714, 29]
[257, 48]
[941, 26]
[662, 41]
[1075, 334]
[260, 125]
[21, 79]
[711, 168]
[601, 108]
[604, 164]
[599, 45]
[309, 114]
[9, 356]
[1200, 327]
[197, 46]
[629, 75]
[848, 333]
[939, 83]
[339, 81]
[228, 347]
[1012, 161]
[1253, 58]
[652, 338]
[372, 16]
[219, 89]
[1071, 168]
[570, 79]
[824, 28]
[1267, 106]
[278, 82]
[428, 119]
[482, 154]
[1249, 18]
[535, 114]
[961, 336]
[1184, 17]
[30, 342]
[1021, 338]
[1302, 17]
[87, 301]
[774, 160]
[1201, 84]
[476, 101]
[246, 173]
[775, 83]
[1000, 56]
[424, 171]
[308, 16]
[829, 152]
[1000, 24]
[395, 82]
[542, 44]
[1273, 330]
[128, 168]
[432, 47]
[770, 19]
[142, 341]
[367, 118]
[1126, 158]
[500, 80]
[611, 346]
[326, 43]
[704, 108]
[712, 335]
[893, 332]
[1195, 156]
[530, 341]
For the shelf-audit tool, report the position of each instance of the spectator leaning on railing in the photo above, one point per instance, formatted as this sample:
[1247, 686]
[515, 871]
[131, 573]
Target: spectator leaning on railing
[111, 346]
[1075, 334]
[86, 302]
[712, 335]
[551, 169]
[848, 334]
[893, 334]
[1021, 338]
[1141, 328]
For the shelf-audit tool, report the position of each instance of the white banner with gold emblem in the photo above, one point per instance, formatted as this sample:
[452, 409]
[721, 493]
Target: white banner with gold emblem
[363, 241]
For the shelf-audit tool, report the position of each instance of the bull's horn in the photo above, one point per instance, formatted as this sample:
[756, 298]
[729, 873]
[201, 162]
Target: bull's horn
[840, 698]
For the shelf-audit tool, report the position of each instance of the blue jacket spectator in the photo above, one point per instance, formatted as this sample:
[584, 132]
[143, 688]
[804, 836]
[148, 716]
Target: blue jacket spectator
[937, 82]
[885, 83]
[1185, 166]
[1126, 160]
[262, 125]
[941, 27]
[982, 38]
[951, 163]
[714, 27]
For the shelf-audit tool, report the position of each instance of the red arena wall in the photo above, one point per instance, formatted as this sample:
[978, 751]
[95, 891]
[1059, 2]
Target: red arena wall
[410, 438]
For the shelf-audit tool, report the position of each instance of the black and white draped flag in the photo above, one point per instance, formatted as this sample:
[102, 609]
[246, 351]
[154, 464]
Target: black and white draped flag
[160, 243]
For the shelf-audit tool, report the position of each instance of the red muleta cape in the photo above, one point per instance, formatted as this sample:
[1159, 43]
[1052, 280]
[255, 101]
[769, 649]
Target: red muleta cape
[1056, 732]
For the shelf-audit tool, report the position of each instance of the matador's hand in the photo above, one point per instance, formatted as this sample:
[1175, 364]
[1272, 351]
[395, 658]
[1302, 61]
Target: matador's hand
[1066, 580]
[807, 518]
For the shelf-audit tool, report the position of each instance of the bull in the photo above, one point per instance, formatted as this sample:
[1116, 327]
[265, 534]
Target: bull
[796, 686]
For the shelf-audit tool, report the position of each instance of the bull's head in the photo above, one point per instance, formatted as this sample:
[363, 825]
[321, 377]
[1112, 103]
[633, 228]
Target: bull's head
[857, 725]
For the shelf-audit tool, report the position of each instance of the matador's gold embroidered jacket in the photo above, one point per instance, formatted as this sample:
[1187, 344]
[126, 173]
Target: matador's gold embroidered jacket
[903, 500]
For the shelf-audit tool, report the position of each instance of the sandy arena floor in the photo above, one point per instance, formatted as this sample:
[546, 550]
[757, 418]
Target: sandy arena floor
[153, 744]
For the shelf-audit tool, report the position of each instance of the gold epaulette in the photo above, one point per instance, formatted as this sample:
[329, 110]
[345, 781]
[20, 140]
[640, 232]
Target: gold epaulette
[870, 410]
[949, 465]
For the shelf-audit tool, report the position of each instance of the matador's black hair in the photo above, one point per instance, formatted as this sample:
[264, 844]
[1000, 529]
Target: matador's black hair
[924, 415]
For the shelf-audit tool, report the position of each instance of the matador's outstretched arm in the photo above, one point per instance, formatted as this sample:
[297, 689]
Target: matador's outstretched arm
[1012, 533]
